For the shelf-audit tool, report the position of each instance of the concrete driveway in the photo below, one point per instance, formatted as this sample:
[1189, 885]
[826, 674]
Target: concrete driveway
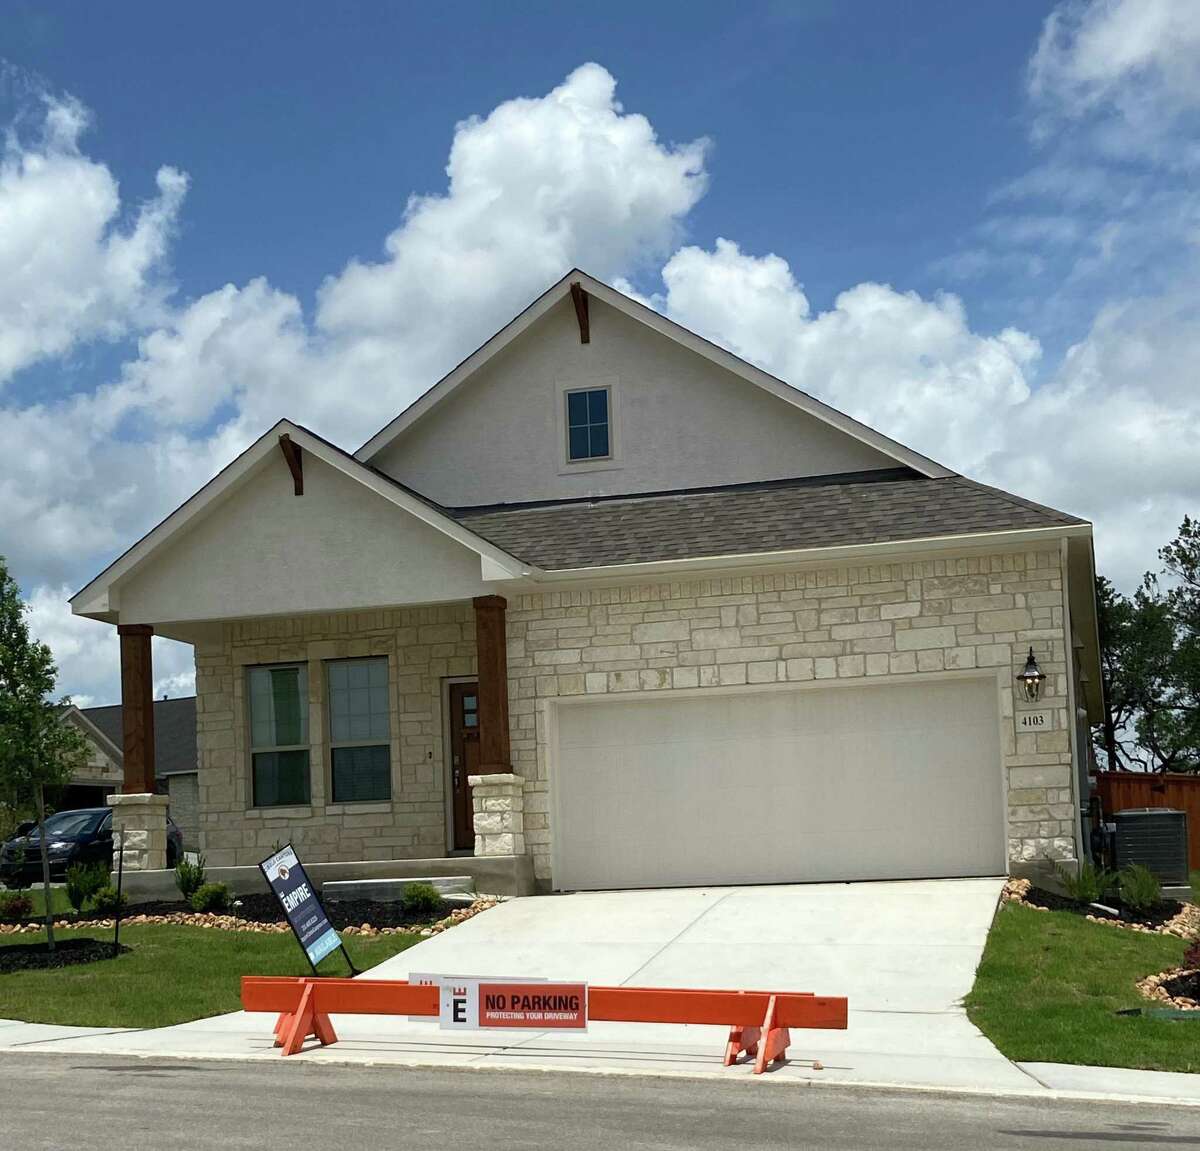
[904, 953]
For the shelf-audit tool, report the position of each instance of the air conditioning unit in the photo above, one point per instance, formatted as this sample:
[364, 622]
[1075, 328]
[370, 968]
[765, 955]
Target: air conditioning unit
[1155, 837]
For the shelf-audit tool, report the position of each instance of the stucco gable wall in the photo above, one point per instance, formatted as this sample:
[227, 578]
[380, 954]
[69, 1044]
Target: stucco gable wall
[266, 551]
[681, 422]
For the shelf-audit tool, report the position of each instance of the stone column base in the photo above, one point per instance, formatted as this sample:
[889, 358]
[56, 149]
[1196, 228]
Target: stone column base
[139, 831]
[499, 813]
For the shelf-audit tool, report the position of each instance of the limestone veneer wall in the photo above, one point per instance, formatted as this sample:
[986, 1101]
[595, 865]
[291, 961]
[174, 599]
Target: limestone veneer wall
[423, 647]
[850, 622]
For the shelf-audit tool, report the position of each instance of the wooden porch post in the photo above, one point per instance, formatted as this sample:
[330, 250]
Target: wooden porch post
[137, 707]
[491, 648]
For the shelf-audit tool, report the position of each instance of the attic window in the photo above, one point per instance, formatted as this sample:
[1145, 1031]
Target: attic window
[588, 425]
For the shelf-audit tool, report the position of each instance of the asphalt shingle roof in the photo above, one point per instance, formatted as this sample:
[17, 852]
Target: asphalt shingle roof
[827, 511]
[174, 732]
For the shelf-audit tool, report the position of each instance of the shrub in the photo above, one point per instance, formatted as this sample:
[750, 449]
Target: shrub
[211, 897]
[420, 899]
[1191, 957]
[1089, 884]
[15, 905]
[1139, 888]
[189, 877]
[105, 901]
[83, 881]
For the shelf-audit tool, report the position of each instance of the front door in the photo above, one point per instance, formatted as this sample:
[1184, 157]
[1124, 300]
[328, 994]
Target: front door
[464, 760]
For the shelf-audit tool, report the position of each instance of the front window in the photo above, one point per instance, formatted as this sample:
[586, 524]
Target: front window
[588, 425]
[359, 730]
[279, 734]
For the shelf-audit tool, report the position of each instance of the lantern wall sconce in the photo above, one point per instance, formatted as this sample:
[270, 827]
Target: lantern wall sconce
[1031, 679]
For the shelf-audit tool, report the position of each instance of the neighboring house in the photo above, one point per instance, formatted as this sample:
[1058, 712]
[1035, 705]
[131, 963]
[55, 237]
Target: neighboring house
[720, 632]
[174, 757]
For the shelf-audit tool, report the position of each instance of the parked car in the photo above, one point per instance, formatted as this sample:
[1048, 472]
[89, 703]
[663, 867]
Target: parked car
[81, 836]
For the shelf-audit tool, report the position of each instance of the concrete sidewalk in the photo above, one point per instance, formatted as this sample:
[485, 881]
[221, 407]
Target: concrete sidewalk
[903, 953]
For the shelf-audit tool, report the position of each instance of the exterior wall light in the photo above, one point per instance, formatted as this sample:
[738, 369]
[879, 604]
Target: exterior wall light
[1031, 679]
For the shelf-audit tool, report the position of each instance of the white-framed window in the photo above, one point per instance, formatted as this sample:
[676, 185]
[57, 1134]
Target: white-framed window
[359, 730]
[279, 759]
[589, 424]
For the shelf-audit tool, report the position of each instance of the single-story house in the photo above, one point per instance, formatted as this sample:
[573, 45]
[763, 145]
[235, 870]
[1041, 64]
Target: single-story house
[174, 760]
[690, 625]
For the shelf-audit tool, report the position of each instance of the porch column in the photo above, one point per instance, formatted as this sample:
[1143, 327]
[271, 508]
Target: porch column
[137, 708]
[491, 647]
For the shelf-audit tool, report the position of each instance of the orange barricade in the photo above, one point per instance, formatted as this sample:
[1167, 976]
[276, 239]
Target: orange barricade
[759, 1021]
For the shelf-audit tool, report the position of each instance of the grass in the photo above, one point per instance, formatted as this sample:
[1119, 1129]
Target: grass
[171, 975]
[1050, 983]
[59, 904]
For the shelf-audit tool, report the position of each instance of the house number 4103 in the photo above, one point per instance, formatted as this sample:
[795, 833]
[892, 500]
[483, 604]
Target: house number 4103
[1034, 721]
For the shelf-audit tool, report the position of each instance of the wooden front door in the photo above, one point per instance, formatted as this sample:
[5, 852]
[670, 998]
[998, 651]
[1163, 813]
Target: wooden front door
[464, 760]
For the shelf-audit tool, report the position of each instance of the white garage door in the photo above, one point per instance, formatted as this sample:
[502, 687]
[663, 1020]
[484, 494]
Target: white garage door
[866, 782]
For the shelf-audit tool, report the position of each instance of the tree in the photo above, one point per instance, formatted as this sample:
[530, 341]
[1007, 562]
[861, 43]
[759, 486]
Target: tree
[1150, 664]
[38, 752]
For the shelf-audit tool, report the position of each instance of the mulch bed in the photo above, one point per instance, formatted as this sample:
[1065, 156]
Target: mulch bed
[67, 953]
[263, 907]
[1186, 985]
[1167, 918]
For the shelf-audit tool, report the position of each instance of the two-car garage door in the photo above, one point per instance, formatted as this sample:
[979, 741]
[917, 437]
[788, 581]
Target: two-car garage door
[779, 786]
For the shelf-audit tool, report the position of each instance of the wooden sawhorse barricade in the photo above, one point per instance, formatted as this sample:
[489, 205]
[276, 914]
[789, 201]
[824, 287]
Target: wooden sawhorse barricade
[759, 1021]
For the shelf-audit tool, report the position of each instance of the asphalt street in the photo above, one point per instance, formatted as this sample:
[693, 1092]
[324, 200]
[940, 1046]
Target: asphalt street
[64, 1101]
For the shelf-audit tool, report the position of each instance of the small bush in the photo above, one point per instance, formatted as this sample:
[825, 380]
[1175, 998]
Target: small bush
[211, 897]
[189, 877]
[1191, 957]
[1089, 884]
[1140, 890]
[15, 905]
[83, 881]
[420, 899]
[105, 901]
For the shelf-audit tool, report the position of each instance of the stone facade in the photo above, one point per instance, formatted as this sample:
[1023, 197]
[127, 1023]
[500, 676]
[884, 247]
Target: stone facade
[423, 647]
[183, 792]
[887, 619]
[921, 616]
[498, 803]
[139, 827]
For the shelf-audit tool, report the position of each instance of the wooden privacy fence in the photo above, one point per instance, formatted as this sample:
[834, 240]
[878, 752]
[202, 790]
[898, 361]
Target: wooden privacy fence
[758, 1020]
[1124, 789]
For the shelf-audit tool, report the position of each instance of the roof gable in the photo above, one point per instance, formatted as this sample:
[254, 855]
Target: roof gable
[101, 597]
[671, 330]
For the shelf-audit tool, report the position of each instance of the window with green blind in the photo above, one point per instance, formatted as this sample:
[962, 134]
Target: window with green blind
[279, 734]
[359, 730]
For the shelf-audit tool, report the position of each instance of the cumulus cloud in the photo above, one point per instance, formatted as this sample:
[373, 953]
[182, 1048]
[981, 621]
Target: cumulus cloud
[70, 272]
[87, 652]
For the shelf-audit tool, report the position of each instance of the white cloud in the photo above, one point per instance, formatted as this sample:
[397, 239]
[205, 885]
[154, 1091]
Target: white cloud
[88, 653]
[909, 366]
[70, 272]
[1132, 66]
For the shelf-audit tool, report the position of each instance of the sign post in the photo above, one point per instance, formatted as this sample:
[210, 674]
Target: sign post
[287, 879]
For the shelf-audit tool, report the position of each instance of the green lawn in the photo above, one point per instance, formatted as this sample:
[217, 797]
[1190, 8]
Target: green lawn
[58, 900]
[1050, 983]
[172, 974]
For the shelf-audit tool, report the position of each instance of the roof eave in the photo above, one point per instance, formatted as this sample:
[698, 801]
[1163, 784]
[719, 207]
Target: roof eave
[974, 541]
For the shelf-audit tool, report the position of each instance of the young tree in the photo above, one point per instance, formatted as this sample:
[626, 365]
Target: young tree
[38, 752]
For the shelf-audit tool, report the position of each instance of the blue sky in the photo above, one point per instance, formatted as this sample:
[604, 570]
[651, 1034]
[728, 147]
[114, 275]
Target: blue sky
[974, 226]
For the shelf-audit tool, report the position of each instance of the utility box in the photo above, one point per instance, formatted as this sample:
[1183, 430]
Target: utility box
[1155, 837]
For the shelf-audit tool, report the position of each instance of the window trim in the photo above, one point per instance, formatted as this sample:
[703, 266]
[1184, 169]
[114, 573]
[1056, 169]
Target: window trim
[611, 462]
[252, 749]
[335, 745]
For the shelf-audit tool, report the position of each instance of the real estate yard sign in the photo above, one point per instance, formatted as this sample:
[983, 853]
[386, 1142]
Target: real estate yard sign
[300, 904]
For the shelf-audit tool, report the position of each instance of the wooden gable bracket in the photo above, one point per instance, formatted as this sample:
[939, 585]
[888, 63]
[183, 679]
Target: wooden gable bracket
[580, 300]
[295, 461]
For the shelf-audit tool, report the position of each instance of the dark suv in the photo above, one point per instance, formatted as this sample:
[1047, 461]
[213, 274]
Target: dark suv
[83, 836]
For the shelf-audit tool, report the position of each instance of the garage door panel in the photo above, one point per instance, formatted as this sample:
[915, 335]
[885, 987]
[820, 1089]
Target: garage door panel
[872, 781]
